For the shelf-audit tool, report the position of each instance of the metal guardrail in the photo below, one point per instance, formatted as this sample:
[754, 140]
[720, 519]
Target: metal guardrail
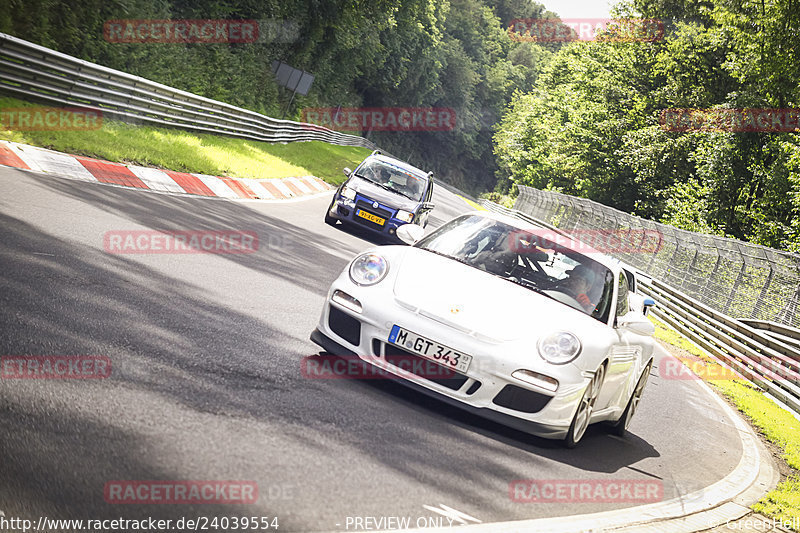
[31, 71]
[781, 332]
[765, 360]
[734, 277]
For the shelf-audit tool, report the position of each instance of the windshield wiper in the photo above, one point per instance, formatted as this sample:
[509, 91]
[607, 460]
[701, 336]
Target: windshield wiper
[404, 194]
[365, 178]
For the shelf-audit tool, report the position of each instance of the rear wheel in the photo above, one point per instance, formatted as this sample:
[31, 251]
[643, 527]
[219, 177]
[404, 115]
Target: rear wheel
[621, 426]
[585, 409]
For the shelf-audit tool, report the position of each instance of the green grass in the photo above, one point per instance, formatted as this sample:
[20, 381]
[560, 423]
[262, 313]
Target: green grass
[502, 199]
[777, 425]
[179, 150]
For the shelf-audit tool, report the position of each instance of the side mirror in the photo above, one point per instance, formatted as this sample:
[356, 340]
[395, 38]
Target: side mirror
[347, 171]
[410, 233]
[428, 205]
[648, 303]
[636, 323]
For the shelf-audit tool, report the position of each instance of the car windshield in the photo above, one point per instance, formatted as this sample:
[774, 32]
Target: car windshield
[519, 256]
[394, 178]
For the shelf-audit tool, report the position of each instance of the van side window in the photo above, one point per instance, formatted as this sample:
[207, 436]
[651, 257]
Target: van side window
[622, 295]
[631, 280]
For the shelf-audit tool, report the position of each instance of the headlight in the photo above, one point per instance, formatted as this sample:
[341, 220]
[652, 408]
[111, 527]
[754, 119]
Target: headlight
[405, 216]
[348, 193]
[559, 348]
[368, 269]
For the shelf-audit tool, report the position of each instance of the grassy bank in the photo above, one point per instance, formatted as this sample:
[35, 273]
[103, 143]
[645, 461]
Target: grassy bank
[174, 149]
[775, 424]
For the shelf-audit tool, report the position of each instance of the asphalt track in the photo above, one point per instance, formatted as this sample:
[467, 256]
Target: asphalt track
[206, 381]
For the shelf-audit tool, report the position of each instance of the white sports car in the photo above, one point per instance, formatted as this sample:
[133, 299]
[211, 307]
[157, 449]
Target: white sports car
[526, 332]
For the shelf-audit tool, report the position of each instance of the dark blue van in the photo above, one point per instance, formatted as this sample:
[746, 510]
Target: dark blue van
[381, 194]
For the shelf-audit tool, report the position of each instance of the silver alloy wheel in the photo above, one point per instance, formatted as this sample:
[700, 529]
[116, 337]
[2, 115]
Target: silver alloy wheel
[620, 427]
[637, 395]
[586, 406]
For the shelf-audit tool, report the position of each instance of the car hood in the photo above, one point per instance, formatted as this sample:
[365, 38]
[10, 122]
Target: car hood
[481, 304]
[376, 192]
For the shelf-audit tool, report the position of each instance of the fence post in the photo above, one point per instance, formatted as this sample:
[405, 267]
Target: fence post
[735, 288]
[764, 291]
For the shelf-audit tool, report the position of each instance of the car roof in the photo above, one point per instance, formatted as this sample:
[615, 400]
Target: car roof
[606, 260]
[398, 163]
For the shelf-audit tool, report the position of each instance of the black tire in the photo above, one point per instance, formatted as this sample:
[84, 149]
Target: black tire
[580, 422]
[620, 427]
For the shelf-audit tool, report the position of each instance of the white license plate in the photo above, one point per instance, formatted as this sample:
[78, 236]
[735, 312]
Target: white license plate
[429, 349]
[369, 216]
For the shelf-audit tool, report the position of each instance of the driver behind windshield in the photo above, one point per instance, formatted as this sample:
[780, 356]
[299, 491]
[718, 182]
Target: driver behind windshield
[414, 188]
[577, 284]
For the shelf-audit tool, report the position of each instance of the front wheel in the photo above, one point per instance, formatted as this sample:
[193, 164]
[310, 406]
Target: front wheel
[585, 409]
[621, 426]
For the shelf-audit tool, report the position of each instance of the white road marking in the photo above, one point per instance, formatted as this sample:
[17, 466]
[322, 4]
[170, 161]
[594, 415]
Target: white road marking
[314, 183]
[217, 186]
[156, 179]
[300, 184]
[22, 153]
[257, 188]
[52, 162]
[286, 191]
[452, 514]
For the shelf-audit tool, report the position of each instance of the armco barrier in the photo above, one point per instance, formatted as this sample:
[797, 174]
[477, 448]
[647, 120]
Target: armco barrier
[33, 72]
[736, 278]
[766, 361]
[785, 334]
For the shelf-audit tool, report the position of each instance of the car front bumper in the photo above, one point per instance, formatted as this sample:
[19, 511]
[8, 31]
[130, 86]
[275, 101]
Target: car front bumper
[487, 388]
[526, 426]
[344, 210]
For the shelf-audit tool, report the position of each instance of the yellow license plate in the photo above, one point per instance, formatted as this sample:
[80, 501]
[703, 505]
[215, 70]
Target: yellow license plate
[369, 216]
